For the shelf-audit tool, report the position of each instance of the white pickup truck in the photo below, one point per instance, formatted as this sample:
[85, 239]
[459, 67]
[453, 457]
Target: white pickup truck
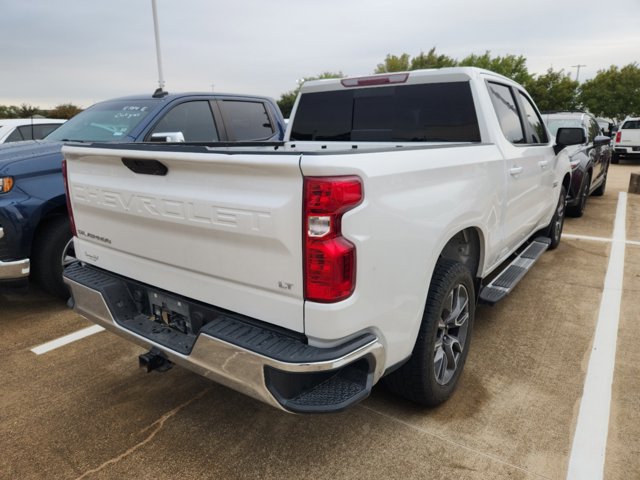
[303, 273]
[627, 140]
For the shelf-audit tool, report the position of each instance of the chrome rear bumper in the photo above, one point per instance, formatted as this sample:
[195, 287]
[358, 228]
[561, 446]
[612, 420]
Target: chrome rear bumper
[241, 369]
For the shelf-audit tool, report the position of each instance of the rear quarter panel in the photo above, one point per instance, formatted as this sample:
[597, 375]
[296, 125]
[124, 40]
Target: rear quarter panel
[414, 202]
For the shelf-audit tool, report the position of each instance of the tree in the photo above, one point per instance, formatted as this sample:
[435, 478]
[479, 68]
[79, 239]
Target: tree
[8, 111]
[432, 60]
[554, 91]
[613, 93]
[288, 99]
[393, 63]
[64, 110]
[26, 111]
[511, 66]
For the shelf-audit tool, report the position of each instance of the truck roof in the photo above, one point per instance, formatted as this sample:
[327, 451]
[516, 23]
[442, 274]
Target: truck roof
[408, 77]
[173, 96]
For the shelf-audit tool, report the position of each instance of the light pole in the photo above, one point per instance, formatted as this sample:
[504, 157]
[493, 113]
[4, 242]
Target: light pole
[160, 91]
[578, 70]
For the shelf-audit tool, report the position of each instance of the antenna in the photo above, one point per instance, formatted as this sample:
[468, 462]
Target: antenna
[160, 90]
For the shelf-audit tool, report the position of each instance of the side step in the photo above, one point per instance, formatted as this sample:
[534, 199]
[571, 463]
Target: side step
[502, 285]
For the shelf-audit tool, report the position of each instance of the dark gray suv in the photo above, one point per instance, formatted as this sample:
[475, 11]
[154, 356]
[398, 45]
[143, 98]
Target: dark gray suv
[589, 160]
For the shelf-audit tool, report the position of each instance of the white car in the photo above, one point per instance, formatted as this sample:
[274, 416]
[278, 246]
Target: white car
[19, 129]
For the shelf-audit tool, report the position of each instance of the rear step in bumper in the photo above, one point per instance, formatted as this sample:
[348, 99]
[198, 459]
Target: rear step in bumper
[248, 356]
[506, 281]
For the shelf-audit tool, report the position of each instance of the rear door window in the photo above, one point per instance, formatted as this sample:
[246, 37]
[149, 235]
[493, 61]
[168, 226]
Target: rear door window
[246, 120]
[435, 112]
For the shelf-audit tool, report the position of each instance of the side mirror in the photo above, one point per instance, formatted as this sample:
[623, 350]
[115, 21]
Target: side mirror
[601, 140]
[169, 137]
[569, 136]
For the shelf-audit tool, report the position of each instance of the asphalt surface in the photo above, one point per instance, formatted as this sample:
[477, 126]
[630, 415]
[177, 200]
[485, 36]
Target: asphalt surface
[86, 411]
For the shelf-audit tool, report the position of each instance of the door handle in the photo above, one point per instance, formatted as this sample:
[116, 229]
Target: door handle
[543, 164]
[515, 171]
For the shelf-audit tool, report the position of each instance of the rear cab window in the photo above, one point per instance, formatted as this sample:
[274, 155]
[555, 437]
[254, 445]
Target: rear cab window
[430, 112]
[631, 125]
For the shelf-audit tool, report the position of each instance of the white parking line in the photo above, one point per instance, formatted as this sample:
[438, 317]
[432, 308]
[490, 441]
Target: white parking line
[571, 236]
[67, 339]
[590, 440]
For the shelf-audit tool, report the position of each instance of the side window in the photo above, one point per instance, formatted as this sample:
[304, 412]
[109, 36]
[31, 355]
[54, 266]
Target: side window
[193, 119]
[246, 120]
[27, 131]
[44, 129]
[15, 136]
[538, 132]
[507, 111]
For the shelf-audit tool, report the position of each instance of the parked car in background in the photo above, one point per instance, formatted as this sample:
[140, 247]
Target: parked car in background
[20, 129]
[589, 160]
[606, 126]
[35, 236]
[627, 140]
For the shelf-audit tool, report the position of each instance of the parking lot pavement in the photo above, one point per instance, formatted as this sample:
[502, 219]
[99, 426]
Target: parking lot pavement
[85, 410]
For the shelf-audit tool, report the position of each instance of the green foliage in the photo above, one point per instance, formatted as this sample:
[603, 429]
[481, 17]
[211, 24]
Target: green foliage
[65, 110]
[23, 111]
[554, 91]
[431, 60]
[393, 63]
[613, 93]
[288, 99]
[511, 66]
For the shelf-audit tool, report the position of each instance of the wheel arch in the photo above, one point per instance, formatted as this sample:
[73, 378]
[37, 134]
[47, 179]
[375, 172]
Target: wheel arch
[467, 246]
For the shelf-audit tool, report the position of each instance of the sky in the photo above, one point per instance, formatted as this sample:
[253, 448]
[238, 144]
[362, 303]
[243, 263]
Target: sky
[84, 51]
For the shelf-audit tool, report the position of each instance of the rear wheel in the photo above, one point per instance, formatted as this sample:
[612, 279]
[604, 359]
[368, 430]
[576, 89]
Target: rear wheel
[52, 251]
[430, 376]
[615, 159]
[554, 230]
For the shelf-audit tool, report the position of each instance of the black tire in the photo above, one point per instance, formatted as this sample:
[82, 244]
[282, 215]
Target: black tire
[50, 245]
[426, 377]
[598, 192]
[615, 159]
[578, 210]
[554, 230]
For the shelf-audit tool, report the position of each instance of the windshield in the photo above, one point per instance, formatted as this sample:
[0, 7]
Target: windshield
[104, 122]
[556, 123]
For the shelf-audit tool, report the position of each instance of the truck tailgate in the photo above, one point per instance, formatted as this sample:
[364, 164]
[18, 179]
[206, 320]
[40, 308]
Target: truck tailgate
[221, 228]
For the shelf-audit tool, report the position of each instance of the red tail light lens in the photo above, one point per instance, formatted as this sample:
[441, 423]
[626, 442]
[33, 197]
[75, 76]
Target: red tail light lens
[66, 188]
[330, 259]
[618, 135]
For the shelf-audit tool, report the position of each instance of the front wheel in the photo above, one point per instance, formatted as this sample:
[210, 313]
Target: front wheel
[554, 230]
[430, 376]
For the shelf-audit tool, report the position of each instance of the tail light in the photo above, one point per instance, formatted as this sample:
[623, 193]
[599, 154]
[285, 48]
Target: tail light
[330, 259]
[618, 136]
[66, 188]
